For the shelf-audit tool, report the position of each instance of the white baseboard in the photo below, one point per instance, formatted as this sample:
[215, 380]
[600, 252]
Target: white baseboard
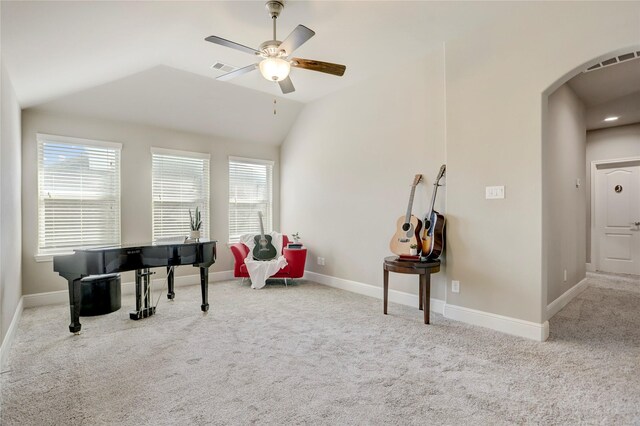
[395, 296]
[11, 333]
[562, 301]
[590, 267]
[514, 326]
[509, 325]
[62, 296]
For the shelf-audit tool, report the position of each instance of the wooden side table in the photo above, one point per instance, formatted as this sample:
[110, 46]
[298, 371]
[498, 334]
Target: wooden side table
[424, 269]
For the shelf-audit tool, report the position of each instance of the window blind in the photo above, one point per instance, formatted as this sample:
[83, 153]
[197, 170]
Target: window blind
[250, 192]
[180, 182]
[78, 194]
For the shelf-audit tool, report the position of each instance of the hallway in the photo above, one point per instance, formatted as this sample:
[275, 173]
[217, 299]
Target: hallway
[606, 316]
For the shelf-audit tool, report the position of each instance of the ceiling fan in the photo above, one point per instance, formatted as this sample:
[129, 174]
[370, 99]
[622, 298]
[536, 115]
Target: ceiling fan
[276, 56]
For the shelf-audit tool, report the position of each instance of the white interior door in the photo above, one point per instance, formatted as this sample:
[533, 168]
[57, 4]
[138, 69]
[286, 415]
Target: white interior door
[617, 203]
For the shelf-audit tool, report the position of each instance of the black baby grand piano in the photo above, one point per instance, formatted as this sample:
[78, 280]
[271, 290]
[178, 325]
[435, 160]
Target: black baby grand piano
[138, 257]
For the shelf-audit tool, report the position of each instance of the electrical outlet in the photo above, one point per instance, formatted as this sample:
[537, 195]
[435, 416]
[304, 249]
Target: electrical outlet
[455, 286]
[321, 261]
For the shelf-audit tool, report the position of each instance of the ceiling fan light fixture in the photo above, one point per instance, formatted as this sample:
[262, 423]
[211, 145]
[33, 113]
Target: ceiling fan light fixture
[275, 69]
[276, 61]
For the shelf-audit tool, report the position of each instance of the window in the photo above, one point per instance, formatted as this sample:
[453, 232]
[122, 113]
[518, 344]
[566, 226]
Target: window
[180, 182]
[78, 194]
[250, 191]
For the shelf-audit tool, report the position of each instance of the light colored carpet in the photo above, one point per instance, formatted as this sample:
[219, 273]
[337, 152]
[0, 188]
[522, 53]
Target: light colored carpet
[310, 354]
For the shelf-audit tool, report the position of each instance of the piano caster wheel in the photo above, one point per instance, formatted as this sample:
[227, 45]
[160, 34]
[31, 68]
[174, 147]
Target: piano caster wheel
[171, 296]
[76, 333]
[204, 308]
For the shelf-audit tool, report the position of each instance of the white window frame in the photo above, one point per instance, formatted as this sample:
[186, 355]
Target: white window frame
[268, 222]
[206, 219]
[45, 255]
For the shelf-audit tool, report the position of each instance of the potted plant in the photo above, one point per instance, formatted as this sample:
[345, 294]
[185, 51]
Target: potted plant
[296, 244]
[413, 249]
[196, 224]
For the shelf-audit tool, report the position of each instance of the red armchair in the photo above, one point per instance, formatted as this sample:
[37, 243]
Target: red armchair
[296, 259]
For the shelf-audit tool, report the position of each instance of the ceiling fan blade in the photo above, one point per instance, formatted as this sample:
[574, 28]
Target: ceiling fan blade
[286, 85]
[326, 67]
[236, 73]
[297, 38]
[224, 42]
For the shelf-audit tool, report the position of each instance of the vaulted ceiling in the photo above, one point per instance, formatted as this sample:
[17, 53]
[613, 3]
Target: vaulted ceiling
[148, 62]
[60, 55]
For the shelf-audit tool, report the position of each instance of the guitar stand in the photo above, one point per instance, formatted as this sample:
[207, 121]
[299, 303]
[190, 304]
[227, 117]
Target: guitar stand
[142, 290]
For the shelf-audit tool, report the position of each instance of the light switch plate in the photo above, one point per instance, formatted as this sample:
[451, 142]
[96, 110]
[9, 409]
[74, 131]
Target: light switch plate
[494, 192]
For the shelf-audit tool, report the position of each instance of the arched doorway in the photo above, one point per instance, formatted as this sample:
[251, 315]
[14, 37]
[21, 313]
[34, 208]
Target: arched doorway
[578, 115]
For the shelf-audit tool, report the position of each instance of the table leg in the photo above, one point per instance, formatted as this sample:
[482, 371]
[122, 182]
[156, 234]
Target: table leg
[386, 289]
[420, 296]
[426, 280]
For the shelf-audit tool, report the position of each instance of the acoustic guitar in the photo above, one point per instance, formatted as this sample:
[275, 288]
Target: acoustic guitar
[407, 227]
[264, 249]
[433, 235]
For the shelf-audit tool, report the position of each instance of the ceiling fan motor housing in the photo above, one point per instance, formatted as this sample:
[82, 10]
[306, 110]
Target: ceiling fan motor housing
[271, 49]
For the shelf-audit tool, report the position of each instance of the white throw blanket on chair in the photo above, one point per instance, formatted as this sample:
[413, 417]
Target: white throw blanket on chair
[260, 270]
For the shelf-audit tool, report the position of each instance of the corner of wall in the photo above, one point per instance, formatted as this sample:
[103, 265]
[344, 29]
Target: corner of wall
[10, 203]
[7, 339]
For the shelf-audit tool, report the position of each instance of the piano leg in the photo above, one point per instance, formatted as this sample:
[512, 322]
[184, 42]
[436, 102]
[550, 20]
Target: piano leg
[170, 293]
[204, 285]
[74, 305]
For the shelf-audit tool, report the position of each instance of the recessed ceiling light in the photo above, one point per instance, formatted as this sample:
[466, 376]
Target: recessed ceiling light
[611, 118]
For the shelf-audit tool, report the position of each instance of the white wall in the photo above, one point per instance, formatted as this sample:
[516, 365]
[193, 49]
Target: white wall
[348, 164]
[565, 207]
[497, 83]
[609, 144]
[347, 158]
[136, 183]
[10, 204]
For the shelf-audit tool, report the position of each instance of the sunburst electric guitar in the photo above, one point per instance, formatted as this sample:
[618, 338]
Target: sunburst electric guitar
[433, 235]
[408, 227]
